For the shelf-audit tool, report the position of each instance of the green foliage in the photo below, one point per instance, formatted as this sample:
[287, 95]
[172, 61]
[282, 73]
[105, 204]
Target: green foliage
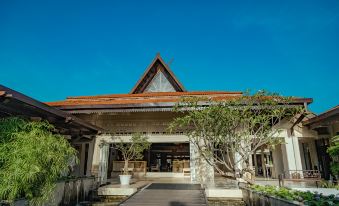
[133, 149]
[241, 125]
[333, 151]
[308, 198]
[335, 168]
[32, 158]
[328, 184]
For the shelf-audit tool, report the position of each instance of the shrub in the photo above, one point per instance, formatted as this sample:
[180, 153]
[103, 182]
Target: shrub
[308, 198]
[32, 158]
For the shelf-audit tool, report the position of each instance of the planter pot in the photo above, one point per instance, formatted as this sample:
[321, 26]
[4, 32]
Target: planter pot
[125, 179]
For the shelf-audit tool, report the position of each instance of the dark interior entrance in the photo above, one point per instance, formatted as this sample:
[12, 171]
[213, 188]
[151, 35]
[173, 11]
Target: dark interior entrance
[161, 157]
[168, 157]
[323, 158]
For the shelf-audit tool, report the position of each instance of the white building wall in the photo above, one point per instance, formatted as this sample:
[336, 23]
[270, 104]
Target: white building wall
[278, 162]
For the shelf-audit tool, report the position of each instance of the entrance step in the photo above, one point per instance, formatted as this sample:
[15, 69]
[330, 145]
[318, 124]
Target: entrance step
[121, 190]
[166, 174]
[168, 194]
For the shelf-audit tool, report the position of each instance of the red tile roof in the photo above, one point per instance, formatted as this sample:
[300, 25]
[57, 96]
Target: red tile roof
[155, 97]
[144, 98]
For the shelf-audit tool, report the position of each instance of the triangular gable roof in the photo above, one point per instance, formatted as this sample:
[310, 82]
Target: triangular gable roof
[157, 65]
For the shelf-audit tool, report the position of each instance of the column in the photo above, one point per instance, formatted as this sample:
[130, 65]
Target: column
[193, 162]
[90, 157]
[292, 153]
[278, 161]
[96, 157]
[201, 171]
[238, 165]
[255, 163]
[82, 159]
[263, 163]
[103, 162]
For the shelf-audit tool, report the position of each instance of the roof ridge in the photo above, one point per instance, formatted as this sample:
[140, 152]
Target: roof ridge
[154, 94]
[329, 110]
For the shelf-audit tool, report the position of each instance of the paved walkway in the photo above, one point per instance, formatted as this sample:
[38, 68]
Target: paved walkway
[167, 194]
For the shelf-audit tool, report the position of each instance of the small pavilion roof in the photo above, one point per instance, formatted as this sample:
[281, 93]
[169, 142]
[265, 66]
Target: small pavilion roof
[324, 119]
[13, 103]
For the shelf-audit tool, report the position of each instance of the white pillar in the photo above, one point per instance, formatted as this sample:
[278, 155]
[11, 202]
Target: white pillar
[194, 162]
[96, 156]
[292, 152]
[278, 161]
[201, 171]
[103, 162]
[90, 157]
[237, 158]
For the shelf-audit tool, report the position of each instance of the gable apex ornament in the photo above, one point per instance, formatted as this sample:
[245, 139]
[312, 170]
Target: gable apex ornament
[158, 77]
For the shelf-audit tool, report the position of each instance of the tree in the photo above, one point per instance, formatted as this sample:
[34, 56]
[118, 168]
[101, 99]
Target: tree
[333, 151]
[132, 150]
[226, 133]
[32, 159]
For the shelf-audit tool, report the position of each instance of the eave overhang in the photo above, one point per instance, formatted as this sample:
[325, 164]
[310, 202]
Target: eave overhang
[145, 107]
[324, 119]
[13, 103]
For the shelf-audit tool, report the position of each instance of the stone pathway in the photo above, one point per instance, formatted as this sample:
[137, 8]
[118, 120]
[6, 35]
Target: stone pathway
[167, 194]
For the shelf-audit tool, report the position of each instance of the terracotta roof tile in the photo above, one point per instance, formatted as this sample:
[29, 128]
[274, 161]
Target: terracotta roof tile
[140, 98]
[155, 94]
[159, 97]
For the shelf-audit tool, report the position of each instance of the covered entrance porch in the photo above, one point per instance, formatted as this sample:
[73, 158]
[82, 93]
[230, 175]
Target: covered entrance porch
[161, 160]
[168, 157]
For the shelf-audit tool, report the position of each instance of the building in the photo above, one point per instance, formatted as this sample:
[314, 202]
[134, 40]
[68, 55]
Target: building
[326, 126]
[148, 109]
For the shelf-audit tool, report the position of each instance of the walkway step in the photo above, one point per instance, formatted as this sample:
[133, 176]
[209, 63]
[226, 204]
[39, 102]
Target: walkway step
[168, 195]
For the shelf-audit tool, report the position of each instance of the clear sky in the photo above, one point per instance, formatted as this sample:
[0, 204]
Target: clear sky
[58, 48]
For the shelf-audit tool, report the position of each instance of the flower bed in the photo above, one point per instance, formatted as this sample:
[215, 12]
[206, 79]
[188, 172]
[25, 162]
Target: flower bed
[257, 195]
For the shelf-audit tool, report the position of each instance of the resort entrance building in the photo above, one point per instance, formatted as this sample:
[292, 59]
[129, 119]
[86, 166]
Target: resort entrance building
[149, 109]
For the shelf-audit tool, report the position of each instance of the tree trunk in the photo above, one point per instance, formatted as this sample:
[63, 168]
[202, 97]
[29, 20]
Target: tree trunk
[126, 167]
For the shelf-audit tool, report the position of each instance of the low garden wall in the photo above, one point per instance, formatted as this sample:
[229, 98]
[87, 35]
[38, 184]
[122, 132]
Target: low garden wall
[253, 198]
[68, 192]
[73, 191]
[258, 195]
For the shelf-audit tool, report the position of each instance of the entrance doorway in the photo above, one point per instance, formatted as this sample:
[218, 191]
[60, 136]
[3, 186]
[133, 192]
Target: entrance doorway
[168, 157]
[161, 157]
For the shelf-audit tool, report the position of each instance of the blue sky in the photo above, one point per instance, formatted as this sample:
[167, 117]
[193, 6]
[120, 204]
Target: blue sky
[53, 49]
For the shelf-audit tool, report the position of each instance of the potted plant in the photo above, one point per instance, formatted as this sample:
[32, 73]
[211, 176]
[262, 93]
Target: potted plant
[131, 150]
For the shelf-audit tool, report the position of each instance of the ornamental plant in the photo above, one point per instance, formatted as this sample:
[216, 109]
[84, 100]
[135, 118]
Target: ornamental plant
[307, 198]
[333, 151]
[32, 159]
[219, 129]
[132, 150]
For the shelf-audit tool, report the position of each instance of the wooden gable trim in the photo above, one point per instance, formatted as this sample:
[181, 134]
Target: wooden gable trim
[156, 65]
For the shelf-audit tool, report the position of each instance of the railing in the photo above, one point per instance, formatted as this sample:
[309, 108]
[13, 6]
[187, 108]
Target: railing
[302, 174]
